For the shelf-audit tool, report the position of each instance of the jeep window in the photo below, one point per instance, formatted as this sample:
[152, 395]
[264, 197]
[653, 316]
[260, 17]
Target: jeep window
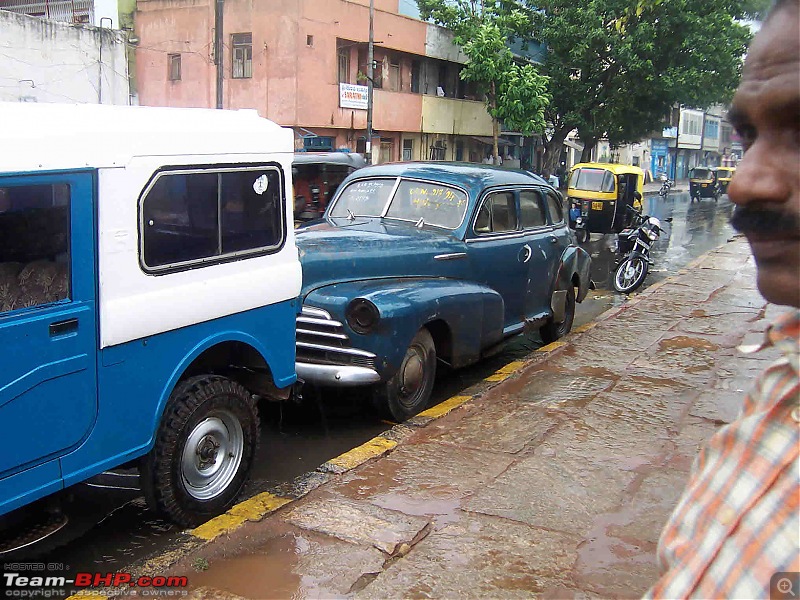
[555, 207]
[433, 203]
[531, 209]
[34, 245]
[498, 213]
[190, 217]
[364, 198]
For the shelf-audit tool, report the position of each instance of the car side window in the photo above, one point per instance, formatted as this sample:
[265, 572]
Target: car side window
[497, 214]
[531, 209]
[34, 245]
[555, 207]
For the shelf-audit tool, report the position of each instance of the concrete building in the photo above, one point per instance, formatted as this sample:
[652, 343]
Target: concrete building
[303, 64]
[44, 60]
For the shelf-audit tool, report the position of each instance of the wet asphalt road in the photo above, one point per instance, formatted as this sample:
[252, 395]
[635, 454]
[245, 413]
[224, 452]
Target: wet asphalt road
[111, 528]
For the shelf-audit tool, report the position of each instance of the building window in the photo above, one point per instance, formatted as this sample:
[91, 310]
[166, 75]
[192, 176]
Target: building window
[242, 48]
[344, 65]
[416, 72]
[309, 40]
[394, 75]
[174, 66]
[408, 149]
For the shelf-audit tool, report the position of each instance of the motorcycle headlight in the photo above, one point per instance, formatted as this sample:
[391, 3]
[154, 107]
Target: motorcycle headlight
[362, 315]
[652, 235]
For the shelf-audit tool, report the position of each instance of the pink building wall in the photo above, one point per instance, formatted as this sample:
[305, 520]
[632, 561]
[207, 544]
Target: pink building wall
[295, 63]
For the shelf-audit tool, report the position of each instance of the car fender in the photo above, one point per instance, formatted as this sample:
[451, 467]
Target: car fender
[472, 314]
[575, 261]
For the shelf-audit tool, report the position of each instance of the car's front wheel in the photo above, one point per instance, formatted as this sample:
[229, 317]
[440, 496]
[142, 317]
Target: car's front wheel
[409, 391]
[203, 451]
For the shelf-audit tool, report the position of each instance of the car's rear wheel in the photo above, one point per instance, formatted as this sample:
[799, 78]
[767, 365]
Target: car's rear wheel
[551, 331]
[409, 390]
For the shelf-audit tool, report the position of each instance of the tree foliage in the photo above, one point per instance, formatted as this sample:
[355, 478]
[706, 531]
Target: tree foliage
[616, 67]
[516, 93]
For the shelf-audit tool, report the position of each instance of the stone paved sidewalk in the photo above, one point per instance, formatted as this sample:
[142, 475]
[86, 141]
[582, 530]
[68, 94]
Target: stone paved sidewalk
[554, 483]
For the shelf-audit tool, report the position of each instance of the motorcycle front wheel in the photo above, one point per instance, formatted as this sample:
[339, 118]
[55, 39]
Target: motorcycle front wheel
[630, 274]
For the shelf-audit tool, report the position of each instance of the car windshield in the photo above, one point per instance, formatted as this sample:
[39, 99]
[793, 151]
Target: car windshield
[701, 174]
[363, 198]
[723, 172]
[592, 180]
[424, 202]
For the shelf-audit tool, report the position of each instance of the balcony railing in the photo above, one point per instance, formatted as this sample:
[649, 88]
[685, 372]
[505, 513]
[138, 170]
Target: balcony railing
[70, 11]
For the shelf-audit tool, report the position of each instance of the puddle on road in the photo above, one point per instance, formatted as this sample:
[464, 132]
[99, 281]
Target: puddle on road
[268, 573]
[682, 341]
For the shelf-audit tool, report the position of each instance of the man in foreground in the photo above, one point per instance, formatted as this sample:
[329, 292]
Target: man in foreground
[736, 524]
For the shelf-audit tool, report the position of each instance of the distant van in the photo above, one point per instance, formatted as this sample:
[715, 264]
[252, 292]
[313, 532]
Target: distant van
[148, 294]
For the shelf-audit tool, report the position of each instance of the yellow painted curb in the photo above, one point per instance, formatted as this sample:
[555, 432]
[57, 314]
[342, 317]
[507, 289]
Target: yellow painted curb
[253, 509]
[87, 594]
[361, 454]
[552, 346]
[506, 371]
[445, 407]
[585, 327]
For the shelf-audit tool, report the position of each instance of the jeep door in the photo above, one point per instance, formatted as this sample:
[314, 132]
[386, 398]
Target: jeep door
[48, 329]
[499, 254]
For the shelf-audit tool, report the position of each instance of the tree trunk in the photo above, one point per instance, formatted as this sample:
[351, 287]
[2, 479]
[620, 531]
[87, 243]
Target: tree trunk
[588, 146]
[495, 128]
[552, 153]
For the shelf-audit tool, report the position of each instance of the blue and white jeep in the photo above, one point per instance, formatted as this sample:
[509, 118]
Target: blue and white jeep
[148, 294]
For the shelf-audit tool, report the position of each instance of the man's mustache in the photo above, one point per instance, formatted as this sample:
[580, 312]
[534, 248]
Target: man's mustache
[764, 221]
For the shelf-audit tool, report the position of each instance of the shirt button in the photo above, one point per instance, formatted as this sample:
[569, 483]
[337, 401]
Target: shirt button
[796, 414]
[726, 515]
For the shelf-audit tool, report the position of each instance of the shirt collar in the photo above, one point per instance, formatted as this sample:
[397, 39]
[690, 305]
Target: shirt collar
[783, 334]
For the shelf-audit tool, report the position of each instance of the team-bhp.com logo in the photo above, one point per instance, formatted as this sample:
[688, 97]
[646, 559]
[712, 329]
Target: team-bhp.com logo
[47, 583]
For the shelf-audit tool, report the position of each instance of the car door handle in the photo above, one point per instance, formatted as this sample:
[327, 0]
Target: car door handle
[63, 327]
[526, 252]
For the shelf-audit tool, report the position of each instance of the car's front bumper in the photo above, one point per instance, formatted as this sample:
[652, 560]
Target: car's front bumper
[334, 375]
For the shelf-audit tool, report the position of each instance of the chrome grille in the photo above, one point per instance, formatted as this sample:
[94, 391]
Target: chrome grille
[322, 340]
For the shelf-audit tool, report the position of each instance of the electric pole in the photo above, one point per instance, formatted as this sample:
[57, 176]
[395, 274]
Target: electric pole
[370, 74]
[218, 40]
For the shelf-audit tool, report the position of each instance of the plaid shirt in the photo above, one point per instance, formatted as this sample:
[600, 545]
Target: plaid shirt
[737, 521]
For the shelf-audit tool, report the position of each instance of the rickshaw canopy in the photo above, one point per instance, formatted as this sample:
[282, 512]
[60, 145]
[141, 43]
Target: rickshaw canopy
[598, 181]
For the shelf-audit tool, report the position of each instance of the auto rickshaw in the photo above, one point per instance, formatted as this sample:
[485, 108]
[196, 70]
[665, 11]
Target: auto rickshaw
[599, 194]
[724, 176]
[316, 176]
[703, 184]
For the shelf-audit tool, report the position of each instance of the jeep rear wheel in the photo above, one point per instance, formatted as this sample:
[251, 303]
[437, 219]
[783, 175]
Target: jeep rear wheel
[409, 391]
[203, 451]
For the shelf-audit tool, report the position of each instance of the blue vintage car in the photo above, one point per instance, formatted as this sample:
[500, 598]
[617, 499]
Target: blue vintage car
[415, 263]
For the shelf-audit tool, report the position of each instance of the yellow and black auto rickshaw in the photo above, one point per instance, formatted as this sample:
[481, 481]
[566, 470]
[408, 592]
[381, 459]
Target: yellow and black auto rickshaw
[724, 176]
[599, 194]
[703, 183]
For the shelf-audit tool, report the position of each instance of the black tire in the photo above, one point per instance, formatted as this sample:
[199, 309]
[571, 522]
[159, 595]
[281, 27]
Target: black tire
[208, 413]
[582, 236]
[409, 390]
[552, 331]
[627, 280]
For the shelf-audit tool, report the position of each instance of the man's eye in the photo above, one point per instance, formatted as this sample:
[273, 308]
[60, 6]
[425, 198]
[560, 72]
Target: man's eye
[748, 135]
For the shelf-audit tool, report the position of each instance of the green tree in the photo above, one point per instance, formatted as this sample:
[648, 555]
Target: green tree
[616, 67]
[516, 93]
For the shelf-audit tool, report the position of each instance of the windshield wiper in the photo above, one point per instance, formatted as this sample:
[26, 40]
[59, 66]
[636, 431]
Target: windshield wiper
[421, 222]
[350, 215]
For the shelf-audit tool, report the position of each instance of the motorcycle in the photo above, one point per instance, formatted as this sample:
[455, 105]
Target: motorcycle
[634, 245]
[666, 185]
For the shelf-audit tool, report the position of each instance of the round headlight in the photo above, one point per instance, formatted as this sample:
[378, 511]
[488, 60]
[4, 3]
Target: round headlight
[362, 315]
